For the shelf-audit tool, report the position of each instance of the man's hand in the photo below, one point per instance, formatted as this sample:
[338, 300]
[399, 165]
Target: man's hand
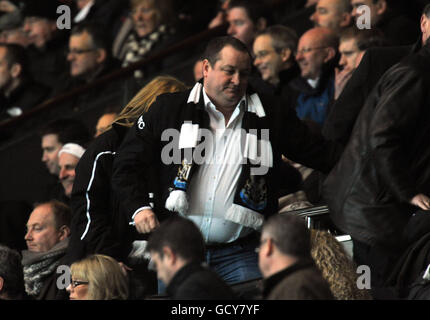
[146, 221]
[341, 78]
[421, 201]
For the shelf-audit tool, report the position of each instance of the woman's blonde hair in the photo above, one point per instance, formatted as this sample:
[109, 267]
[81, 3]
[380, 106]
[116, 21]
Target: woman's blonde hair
[146, 96]
[336, 267]
[106, 280]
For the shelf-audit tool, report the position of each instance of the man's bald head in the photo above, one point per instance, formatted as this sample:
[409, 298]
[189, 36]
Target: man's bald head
[322, 36]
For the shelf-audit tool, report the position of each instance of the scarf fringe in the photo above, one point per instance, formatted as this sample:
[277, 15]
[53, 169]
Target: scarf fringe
[177, 202]
[244, 216]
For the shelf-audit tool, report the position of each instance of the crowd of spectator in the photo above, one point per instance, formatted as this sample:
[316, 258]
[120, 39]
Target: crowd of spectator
[346, 108]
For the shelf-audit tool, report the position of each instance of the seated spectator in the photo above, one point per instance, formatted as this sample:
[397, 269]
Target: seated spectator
[396, 27]
[353, 43]
[245, 19]
[68, 158]
[333, 14]
[274, 50]
[105, 121]
[98, 277]
[53, 136]
[47, 238]
[93, 199]
[48, 43]
[177, 249]
[11, 30]
[286, 263]
[18, 92]
[150, 29]
[11, 276]
[336, 267]
[316, 56]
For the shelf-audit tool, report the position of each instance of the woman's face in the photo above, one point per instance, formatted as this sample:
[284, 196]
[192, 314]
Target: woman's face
[78, 289]
[145, 18]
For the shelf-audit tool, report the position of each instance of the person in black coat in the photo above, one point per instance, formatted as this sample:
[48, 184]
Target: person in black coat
[383, 176]
[177, 249]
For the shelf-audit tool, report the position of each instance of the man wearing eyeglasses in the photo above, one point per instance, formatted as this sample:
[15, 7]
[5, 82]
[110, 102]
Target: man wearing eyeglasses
[316, 56]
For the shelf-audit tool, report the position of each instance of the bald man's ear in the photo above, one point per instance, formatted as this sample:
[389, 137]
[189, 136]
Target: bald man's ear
[424, 23]
[331, 53]
[261, 24]
[64, 233]
[16, 70]
[1, 284]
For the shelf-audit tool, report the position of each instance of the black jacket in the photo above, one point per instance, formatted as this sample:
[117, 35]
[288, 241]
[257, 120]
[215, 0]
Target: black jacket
[194, 282]
[97, 224]
[387, 160]
[288, 135]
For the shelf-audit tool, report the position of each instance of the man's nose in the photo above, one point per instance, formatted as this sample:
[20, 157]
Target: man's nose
[62, 174]
[235, 78]
[27, 235]
[231, 30]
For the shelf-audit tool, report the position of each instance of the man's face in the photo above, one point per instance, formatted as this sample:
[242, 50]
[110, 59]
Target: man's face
[67, 163]
[83, 57]
[50, 148]
[225, 82]
[240, 25]
[350, 55]
[42, 233]
[39, 30]
[374, 16]
[327, 14]
[5, 72]
[145, 18]
[267, 60]
[164, 271]
[310, 57]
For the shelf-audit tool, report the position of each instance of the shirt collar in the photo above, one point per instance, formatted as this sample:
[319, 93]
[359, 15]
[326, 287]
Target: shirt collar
[209, 104]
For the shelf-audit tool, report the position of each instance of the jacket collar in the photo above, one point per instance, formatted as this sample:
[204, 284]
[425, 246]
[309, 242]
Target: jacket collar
[181, 276]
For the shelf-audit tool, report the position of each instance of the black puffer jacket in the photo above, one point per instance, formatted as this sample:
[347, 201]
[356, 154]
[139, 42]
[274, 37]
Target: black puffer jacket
[387, 161]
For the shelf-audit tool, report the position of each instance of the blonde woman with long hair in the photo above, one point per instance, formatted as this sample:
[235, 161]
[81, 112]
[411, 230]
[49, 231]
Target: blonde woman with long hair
[99, 226]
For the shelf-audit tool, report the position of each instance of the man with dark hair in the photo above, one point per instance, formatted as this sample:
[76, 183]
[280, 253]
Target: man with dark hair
[18, 92]
[246, 18]
[48, 230]
[48, 43]
[219, 183]
[177, 249]
[286, 263]
[396, 27]
[11, 276]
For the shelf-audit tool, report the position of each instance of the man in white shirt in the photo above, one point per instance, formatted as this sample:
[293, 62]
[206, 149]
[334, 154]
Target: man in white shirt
[226, 183]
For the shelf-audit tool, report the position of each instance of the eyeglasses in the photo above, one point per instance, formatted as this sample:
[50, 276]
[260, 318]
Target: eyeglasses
[307, 50]
[79, 51]
[75, 283]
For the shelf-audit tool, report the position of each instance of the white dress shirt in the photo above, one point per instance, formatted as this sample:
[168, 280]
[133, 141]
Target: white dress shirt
[213, 186]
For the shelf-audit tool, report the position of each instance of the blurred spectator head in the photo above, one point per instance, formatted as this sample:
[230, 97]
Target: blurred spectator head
[316, 47]
[147, 15]
[56, 134]
[11, 275]
[274, 51]
[175, 243]
[353, 44]
[146, 96]
[88, 50]
[284, 240]
[40, 21]
[226, 69]
[68, 158]
[98, 277]
[105, 121]
[246, 18]
[333, 14]
[13, 67]
[377, 9]
[49, 223]
[11, 29]
[425, 23]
